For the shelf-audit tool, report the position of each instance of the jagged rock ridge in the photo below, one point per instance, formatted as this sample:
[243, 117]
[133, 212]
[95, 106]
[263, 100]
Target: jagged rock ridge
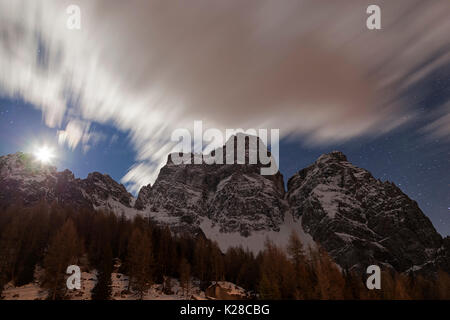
[236, 197]
[23, 180]
[360, 220]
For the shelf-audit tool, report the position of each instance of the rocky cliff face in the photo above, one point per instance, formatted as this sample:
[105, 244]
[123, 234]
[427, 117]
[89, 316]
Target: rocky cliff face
[102, 190]
[23, 180]
[235, 197]
[360, 220]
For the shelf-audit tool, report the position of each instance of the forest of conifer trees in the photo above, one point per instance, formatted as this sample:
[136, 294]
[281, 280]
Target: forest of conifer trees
[54, 237]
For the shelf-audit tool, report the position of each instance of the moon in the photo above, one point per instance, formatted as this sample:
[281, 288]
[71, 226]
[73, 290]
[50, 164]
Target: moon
[44, 154]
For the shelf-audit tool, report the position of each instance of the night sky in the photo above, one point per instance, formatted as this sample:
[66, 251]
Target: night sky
[107, 97]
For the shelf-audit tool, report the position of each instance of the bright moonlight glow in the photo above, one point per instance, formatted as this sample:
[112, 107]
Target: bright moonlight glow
[44, 154]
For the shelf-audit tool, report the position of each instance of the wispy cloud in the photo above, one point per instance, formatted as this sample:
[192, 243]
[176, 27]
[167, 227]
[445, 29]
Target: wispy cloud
[75, 132]
[310, 68]
[439, 128]
[79, 132]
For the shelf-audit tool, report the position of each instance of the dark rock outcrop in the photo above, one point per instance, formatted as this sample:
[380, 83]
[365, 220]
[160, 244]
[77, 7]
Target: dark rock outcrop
[360, 220]
[23, 180]
[234, 196]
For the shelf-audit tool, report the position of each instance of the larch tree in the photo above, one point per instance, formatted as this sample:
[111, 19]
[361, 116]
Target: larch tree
[63, 251]
[140, 261]
[102, 290]
[185, 276]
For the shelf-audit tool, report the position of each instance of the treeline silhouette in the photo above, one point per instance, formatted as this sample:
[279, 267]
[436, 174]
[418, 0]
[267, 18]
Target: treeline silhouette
[54, 237]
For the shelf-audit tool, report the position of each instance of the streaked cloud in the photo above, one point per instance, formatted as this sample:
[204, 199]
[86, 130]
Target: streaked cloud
[79, 132]
[310, 68]
[140, 174]
[439, 128]
[75, 132]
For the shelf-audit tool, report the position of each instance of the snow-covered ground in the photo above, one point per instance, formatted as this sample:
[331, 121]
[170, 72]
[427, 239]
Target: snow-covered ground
[255, 242]
[119, 291]
[155, 292]
[31, 291]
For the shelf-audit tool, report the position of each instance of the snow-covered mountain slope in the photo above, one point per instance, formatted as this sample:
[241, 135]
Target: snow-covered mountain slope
[234, 197]
[255, 241]
[24, 180]
[360, 220]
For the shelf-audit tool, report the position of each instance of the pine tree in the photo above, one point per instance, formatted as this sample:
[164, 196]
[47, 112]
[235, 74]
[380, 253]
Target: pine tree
[140, 261]
[268, 289]
[10, 246]
[401, 287]
[330, 281]
[277, 274]
[63, 251]
[102, 290]
[200, 259]
[167, 285]
[248, 274]
[303, 274]
[163, 251]
[443, 285]
[34, 243]
[216, 263]
[185, 276]
[354, 286]
[295, 250]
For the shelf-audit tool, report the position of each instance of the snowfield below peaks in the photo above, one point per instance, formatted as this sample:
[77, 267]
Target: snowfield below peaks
[256, 240]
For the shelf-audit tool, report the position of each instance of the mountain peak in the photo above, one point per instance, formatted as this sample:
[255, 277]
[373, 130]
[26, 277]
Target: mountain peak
[332, 156]
[24, 179]
[344, 207]
[19, 164]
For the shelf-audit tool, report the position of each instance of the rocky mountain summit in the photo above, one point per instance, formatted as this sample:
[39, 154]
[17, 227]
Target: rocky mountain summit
[23, 180]
[236, 197]
[358, 219]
